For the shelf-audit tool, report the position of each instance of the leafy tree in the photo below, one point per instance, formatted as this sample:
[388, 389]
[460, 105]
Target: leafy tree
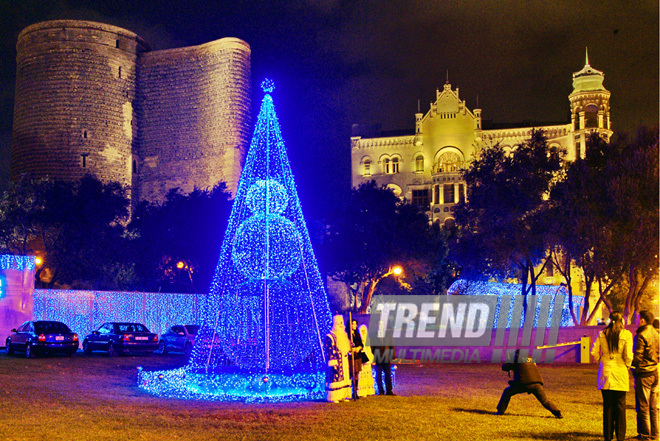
[21, 209]
[176, 244]
[634, 192]
[500, 224]
[371, 233]
[580, 211]
[604, 220]
[77, 228]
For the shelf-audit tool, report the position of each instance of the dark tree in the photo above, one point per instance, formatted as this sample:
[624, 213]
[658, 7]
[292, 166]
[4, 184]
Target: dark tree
[372, 233]
[77, 229]
[500, 223]
[176, 244]
[604, 220]
[87, 231]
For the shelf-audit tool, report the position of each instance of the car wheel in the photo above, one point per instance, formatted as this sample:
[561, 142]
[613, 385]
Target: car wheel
[187, 349]
[162, 348]
[112, 352]
[86, 349]
[10, 350]
[29, 353]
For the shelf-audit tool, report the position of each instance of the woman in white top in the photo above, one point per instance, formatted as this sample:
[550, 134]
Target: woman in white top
[613, 350]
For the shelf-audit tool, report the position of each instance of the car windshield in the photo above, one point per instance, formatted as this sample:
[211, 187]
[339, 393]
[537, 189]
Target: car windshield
[50, 328]
[192, 329]
[131, 327]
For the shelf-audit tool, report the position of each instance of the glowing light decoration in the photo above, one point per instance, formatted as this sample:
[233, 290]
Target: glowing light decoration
[266, 247]
[20, 263]
[267, 196]
[472, 287]
[266, 313]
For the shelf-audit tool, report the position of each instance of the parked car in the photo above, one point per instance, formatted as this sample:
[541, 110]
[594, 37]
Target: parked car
[179, 338]
[42, 337]
[120, 338]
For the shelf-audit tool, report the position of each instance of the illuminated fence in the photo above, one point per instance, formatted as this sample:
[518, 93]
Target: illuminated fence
[85, 311]
[511, 293]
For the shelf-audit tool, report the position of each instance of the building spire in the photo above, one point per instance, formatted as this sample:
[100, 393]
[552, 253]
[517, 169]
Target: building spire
[447, 77]
[586, 62]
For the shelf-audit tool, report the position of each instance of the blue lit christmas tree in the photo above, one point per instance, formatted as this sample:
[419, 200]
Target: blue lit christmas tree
[266, 313]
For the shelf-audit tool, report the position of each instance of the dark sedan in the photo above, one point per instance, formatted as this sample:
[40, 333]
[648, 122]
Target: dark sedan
[42, 337]
[121, 338]
[179, 338]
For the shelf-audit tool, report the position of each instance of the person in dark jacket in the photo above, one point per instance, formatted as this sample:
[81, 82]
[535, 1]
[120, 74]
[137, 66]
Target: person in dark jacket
[645, 364]
[383, 356]
[526, 379]
[357, 357]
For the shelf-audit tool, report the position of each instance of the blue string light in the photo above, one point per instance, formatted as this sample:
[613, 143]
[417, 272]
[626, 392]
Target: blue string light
[85, 311]
[266, 313]
[473, 287]
[20, 263]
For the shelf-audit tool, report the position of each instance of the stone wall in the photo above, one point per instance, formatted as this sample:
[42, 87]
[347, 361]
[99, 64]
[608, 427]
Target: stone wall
[194, 117]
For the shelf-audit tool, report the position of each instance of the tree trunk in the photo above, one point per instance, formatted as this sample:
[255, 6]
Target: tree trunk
[364, 307]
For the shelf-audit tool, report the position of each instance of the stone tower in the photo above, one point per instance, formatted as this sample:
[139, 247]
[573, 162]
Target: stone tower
[590, 107]
[94, 98]
[75, 95]
[194, 117]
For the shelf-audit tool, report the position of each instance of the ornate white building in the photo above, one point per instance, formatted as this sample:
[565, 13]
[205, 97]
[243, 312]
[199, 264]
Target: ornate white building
[425, 166]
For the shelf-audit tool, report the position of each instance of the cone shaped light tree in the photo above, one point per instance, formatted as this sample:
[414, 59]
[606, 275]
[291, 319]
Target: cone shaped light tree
[266, 313]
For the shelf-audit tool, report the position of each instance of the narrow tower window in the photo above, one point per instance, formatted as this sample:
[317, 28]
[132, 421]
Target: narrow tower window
[395, 165]
[84, 159]
[591, 116]
[119, 71]
[367, 168]
[419, 164]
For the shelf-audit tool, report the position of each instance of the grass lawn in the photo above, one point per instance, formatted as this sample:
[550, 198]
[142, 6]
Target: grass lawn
[96, 398]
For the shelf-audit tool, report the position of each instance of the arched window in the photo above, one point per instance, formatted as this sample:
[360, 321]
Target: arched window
[395, 165]
[419, 163]
[367, 168]
[448, 162]
[395, 189]
[386, 165]
[591, 116]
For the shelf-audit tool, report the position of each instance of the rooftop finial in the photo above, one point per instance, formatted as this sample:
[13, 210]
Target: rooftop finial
[586, 50]
[447, 76]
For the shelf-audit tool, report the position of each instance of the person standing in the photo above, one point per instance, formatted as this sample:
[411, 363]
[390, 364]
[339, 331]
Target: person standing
[383, 356]
[613, 350]
[645, 372]
[526, 379]
[357, 358]
[366, 381]
[337, 346]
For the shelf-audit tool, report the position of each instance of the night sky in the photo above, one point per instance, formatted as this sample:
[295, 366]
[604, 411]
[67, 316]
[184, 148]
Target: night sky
[336, 63]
